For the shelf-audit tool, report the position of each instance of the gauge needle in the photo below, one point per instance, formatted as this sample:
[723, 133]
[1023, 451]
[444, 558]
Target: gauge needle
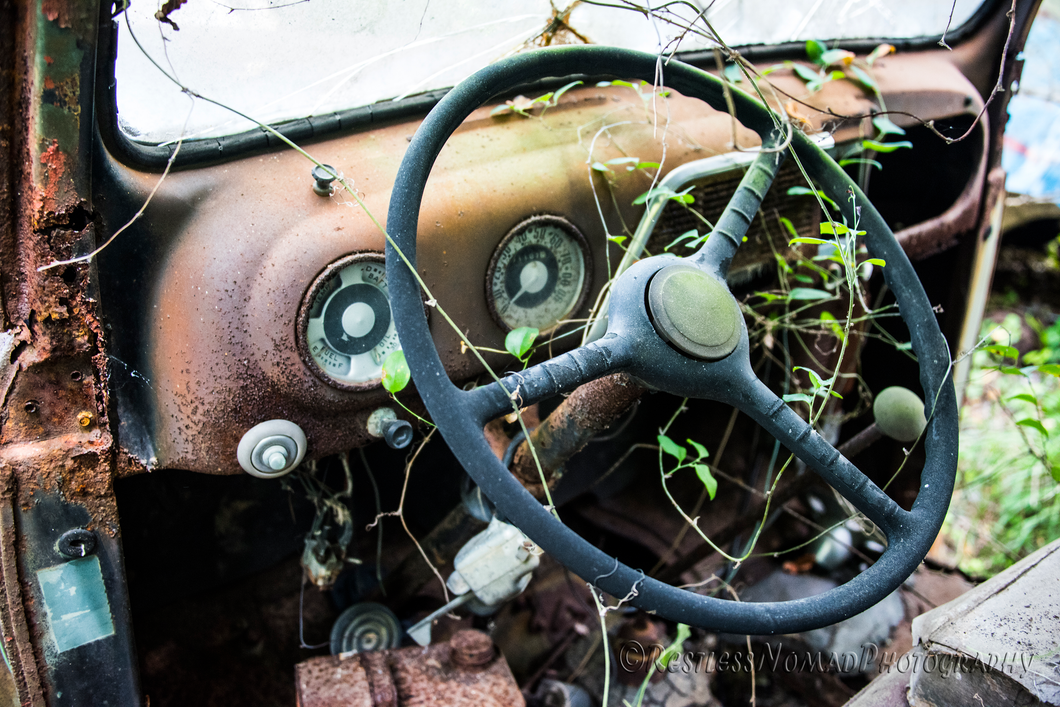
[533, 277]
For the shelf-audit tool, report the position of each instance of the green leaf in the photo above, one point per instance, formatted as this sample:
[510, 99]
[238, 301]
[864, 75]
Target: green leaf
[396, 373]
[1031, 422]
[815, 380]
[674, 649]
[601, 167]
[1003, 351]
[559, 93]
[1036, 358]
[860, 160]
[701, 451]
[807, 239]
[801, 191]
[816, 84]
[829, 319]
[703, 472]
[623, 160]
[805, 73]
[833, 229]
[878, 262]
[519, 341]
[672, 448]
[862, 77]
[694, 234]
[798, 398]
[1012, 371]
[815, 50]
[789, 226]
[617, 239]
[503, 108]
[659, 192]
[805, 279]
[1026, 397]
[733, 74]
[1052, 369]
[886, 127]
[683, 196]
[648, 165]
[807, 293]
[884, 147]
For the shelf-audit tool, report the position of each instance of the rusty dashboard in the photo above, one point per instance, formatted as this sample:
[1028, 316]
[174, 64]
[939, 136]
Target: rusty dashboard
[211, 298]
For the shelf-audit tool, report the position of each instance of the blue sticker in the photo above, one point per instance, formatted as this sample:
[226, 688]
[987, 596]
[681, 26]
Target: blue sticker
[76, 602]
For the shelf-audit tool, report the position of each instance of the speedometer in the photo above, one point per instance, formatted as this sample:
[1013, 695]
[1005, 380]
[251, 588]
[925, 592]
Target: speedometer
[346, 328]
[539, 274]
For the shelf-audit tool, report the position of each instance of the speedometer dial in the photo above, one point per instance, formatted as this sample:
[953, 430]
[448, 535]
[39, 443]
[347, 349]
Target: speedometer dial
[346, 326]
[539, 274]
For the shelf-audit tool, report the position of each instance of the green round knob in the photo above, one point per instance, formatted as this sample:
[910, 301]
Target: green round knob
[694, 312]
[899, 413]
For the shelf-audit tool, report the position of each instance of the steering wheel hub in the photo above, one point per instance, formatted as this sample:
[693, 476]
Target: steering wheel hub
[694, 312]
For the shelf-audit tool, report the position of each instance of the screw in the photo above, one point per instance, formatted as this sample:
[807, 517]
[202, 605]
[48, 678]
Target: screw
[31, 407]
[84, 418]
[323, 176]
[275, 456]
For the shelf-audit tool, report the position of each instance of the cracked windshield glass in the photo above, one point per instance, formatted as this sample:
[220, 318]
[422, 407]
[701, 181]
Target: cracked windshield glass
[282, 60]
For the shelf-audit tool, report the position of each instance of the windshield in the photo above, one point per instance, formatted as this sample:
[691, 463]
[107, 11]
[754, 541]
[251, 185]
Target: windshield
[276, 60]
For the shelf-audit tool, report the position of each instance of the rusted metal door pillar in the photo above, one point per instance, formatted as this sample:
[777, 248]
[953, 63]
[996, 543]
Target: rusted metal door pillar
[63, 606]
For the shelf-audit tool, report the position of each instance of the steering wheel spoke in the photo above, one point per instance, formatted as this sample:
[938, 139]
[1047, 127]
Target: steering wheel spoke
[561, 374]
[785, 425]
[717, 253]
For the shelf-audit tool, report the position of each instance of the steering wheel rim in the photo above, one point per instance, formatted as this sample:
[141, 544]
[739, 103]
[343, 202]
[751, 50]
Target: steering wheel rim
[730, 379]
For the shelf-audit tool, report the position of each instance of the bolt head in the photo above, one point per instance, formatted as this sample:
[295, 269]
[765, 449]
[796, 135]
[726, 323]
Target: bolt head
[275, 457]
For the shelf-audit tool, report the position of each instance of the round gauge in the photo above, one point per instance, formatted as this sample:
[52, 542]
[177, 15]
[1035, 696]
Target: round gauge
[539, 274]
[346, 327]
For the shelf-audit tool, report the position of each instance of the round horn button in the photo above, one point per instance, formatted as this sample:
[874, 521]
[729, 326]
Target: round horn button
[694, 312]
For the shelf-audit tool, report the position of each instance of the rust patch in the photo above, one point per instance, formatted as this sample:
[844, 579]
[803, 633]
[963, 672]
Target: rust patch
[59, 11]
[63, 94]
[19, 647]
[384, 693]
[429, 677]
[468, 670]
[588, 411]
[331, 681]
[53, 189]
